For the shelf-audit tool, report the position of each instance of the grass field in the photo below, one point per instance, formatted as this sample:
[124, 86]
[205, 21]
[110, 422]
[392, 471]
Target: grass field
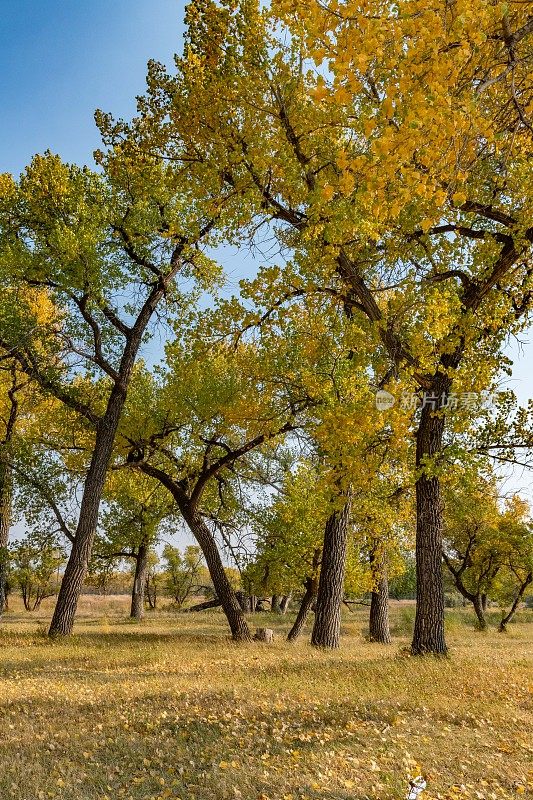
[170, 708]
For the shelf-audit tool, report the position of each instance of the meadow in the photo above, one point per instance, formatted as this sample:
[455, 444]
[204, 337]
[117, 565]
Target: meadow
[171, 708]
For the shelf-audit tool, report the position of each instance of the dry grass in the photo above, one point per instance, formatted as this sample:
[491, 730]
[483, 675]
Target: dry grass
[172, 709]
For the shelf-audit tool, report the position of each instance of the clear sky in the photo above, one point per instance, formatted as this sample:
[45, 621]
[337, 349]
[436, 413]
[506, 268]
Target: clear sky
[60, 60]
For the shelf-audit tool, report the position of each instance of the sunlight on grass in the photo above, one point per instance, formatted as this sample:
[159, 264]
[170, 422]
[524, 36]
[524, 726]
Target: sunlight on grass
[170, 708]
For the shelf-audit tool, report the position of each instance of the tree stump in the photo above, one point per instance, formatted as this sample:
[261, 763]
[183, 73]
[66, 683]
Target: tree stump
[264, 635]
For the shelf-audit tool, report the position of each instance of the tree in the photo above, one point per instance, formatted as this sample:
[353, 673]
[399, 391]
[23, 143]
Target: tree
[196, 437]
[517, 577]
[87, 239]
[289, 534]
[389, 152]
[182, 571]
[19, 403]
[35, 561]
[9, 420]
[326, 629]
[473, 550]
[135, 511]
[487, 548]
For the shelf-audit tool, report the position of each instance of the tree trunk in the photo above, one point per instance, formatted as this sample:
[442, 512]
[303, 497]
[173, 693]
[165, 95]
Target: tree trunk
[26, 597]
[214, 603]
[227, 596]
[379, 630]
[428, 634]
[311, 587]
[518, 599]
[468, 597]
[284, 603]
[150, 592]
[275, 604]
[478, 608]
[326, 630]
[6, 491]
[245, 601]
[77, 565]
[484, 601]
[139, 583]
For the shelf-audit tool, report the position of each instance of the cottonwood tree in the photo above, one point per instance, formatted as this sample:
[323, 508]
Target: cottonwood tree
[194, 438]
[21, 409]
[108, 249]
[487, 544]
[182, 571]
[289, 533]
[245, 394]
[135, 515]
[35, 562]
[390, 151]
[473, 543]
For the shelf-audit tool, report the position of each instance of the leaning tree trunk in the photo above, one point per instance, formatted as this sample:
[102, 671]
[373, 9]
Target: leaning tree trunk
[106, 430]
[77, 565]
[327, 627]
[379, 630]
[311, 587]
[428, 636]
[224, 591]
[6, 491]
[518, 599]
[478, 600]
[139, 583]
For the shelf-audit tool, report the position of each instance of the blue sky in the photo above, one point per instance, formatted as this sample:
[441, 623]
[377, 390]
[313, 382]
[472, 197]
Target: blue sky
[59, 61]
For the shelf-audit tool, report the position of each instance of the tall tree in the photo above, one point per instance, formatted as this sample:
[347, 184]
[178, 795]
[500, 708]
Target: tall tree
[390, 151]
[108, 249]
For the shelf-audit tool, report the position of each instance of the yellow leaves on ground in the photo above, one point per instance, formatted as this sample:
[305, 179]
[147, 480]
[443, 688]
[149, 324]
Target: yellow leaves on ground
[171, 709]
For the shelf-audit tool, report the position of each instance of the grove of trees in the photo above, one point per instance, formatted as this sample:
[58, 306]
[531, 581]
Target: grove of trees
[322, 433]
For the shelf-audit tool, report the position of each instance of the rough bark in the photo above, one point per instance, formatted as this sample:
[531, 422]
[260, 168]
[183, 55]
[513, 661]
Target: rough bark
[379, 630]
[77, 565]
[326, 630]
[311, 588]
[275, 604]
[428, 636]
[232, 609]
[139, 583]
[106, 429]
[6, 491]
